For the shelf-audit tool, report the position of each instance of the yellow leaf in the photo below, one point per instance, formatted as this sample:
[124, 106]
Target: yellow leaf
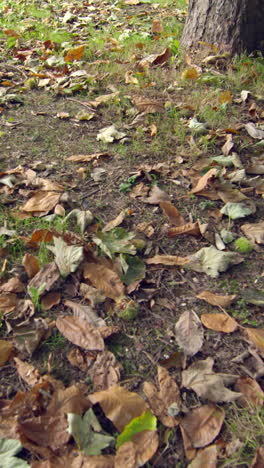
[74, 54]
[225, 97]
[190, 74]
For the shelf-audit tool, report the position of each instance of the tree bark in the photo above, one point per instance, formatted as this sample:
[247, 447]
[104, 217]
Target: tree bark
[232, 26]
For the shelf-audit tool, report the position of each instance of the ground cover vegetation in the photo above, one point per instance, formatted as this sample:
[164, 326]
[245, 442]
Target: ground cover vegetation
[131, 241]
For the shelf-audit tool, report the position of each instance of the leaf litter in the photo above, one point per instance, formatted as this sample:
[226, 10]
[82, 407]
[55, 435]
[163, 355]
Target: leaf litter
[91, 262]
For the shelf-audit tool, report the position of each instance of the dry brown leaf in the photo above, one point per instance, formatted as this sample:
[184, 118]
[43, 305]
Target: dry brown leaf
[91, 294]
[117, 221]
[59, 210]
[8, 302]
[105, 372]
[148, 106]
[104, 279]
[204, 180]
[156, 27]
[203, 424]
[258, 461]
[38, 236]
[190, 74]
[205, 458]
[175, 217]
[103, 99]
[13, 285]
[189, 333]
[46, 430]
[254, 232]
[41, 202]
[155, 60]
[87, 157]
[216, 299]
[81, 359]
[231, 195]
[219, 322]
[146, 228]
[31, 265]
[156, 196]
[50, 300]
[166, 399]
[119, 405]
[229, 144]
[253, 394]
[130, 78]
[6, 349]
[69, 400]
[138, 451]
[192, 229]
[28, 337]
[48, 276]
[208, 385]
[85, 312]
[167, 260]
[80, 333]
[256, 336]
[139, 190]
[74, 54]
[27, 372]
[189, 449]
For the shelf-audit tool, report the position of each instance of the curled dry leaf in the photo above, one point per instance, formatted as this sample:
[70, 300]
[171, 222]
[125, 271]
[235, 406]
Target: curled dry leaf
[138, 451]
[27, 372]
[156, 196]
[31, 265]
[205, 458]
[117, 221]
[206, 384]
[85, 312]
[256, 336]
[155, 59]
[6, 348]
[165, 401]
[67, 257]
[216, 299]
[253, 394]
[254, 232]
[50, 300]
[41, 202]
[8, 302]
[13, 285]
[47, 276]
[119, 405]
[189, 333]
[192, 229]
[80, 333]
[204, 180]
[175, 217]
[219, 322]
[203, 424]
[104, 279]
[87, 157]
[170, 260]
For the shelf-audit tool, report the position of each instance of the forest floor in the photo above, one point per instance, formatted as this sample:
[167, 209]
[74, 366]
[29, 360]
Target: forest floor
[131, 241]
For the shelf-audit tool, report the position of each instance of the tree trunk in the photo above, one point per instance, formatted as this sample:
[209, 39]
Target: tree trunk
[232, 26]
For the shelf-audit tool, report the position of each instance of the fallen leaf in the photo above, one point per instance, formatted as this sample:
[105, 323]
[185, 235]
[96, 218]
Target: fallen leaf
[8, 302]
[219, 322]
[145, 422]
[204, 180]
[41, 202]
[256, 336]
[258, 461]
[189, 333]
[105, 372]
[117, 221]
[67, 257]
[190, 74]
[165, 402]
[238, 210]
[130, 78]
[118, 240]
[155, 59]
[229, 144]
[74, 54]
[50, 300]
[103, 99]
[211, 261]
[82, 217]
[208, 385]
[192, 229]
[175, 217]
[203, 424]
[31, 265]
[254, 232]
[45, 279]
[138, 451]
[80, 333]
[87, 157]
[217, 299]
[252, 393]
[171, 260]
[254, 132]
[104, 279]
[28, 337]
[13, 285]
[225, 97]
[119, 405]
[6, 348]
[253, 296]
[156, 27]
[148, 106]
[156, 196]
[205, 458]
[110, 134]
[8, 449]
[27, 372]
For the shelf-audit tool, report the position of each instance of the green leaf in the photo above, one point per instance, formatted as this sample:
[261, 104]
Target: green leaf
[134, 269]
[146, 422]
[9, 448]
[86, 432]
[211, 261]
[118, 240]
[237, 210]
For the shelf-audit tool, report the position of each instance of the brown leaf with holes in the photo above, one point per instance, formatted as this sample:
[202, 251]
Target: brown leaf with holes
[80, 333]
[175, 217]
[204, 180]
[256, 336]
[164, 400]
[6, 348]
[202, 425]
[219, 322]
[104, 279]
[253, 394]
[41, 202]
[138, 451]
[216, 299]
[31, 265]
[119, 405]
